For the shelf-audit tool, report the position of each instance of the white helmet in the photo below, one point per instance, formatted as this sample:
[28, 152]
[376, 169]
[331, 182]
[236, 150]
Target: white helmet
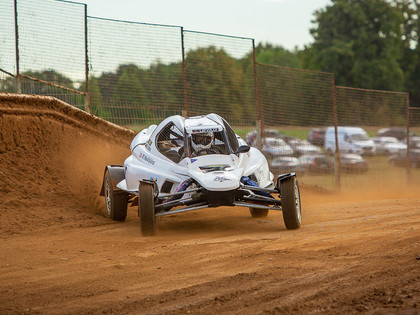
[201, 141]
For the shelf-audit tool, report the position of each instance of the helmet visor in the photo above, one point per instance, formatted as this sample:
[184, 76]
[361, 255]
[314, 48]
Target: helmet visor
[202, 138]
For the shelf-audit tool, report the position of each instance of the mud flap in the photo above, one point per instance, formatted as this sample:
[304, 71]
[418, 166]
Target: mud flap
[282, 177]
[117, 174]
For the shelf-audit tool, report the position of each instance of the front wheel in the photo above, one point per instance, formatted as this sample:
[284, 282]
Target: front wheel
[147, 209]
[290, 202]
[116, 202]
[258, 213]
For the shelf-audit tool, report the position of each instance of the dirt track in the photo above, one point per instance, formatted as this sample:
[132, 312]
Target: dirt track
[355, 253]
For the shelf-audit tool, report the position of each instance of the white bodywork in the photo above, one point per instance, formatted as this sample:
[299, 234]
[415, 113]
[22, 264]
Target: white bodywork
[148, 161]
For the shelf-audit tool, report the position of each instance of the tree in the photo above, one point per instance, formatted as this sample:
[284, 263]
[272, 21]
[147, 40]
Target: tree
[360, 42]
[410, 61]
[277, 56]
[216, 83]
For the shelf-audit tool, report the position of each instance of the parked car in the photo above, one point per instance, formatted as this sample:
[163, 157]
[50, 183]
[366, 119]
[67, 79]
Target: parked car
[284, 164]
[414, 142]
[251, 137]
[388, 145]
[397, 132]
[401, 159]
[317, 136]
[273, 147]
[353, 163]
[317, 163]
[303, 147]
[350, 140]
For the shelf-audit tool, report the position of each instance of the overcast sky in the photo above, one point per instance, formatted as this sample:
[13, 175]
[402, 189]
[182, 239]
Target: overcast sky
[280, 22]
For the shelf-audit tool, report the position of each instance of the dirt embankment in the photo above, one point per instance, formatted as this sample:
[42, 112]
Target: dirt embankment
[52, 154]
[356, 253]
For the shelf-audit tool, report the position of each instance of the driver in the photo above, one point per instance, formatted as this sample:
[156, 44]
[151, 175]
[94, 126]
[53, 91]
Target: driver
[201, 143]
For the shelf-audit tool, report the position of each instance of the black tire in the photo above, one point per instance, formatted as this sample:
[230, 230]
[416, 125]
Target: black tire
[258, 213]
[290, 202]
[147, 209]
[115, 202]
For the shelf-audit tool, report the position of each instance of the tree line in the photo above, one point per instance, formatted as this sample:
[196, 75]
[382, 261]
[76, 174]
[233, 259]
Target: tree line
[365, 44]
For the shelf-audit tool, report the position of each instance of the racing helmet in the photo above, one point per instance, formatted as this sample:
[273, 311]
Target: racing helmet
[201, 141]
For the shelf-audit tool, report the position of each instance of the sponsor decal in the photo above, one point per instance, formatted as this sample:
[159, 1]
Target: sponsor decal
[221, 179]
[148, 145]
[155, 179]
[146, 158]
[193, 160]
[204, 130]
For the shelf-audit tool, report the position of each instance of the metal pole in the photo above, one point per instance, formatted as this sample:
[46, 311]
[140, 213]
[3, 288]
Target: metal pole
[260, 114]
[19, 83]
[337, 167]
[185, 112]
[408, 171]
[87, 96]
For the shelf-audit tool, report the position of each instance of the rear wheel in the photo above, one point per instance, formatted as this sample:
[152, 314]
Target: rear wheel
[290, 202]
[258, 213]
[116, 202]
[147, 209]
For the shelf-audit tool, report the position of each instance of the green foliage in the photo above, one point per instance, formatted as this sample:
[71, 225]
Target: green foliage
[368, 44]
[216, 83]
[277, 56]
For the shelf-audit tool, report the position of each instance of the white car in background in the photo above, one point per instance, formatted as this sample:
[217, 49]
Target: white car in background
[350, 140]
[284, 164]
[389, 145]
[304, 147]
[273, 147]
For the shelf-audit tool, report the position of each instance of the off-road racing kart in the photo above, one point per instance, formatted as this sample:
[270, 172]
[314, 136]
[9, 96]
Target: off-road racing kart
[186, 164]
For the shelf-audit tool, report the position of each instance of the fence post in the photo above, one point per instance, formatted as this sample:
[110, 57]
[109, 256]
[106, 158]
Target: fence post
[260, 115]
[19, 83]
[407, 169]
[87, 96]
[337, 164]
[185, 111]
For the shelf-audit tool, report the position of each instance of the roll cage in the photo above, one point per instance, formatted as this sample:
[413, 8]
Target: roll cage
[175, 144]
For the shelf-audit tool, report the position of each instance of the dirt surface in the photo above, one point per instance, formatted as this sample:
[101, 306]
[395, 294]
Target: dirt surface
[356, 252]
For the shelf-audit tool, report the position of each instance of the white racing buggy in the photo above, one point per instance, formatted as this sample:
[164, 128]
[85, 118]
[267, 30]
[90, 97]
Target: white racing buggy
[186, 164]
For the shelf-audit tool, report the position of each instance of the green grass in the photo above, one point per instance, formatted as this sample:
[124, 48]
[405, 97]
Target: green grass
[297, 133]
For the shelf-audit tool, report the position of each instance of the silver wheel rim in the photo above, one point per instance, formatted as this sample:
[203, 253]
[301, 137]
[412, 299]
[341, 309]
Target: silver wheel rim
[297, 202]
[107, 197]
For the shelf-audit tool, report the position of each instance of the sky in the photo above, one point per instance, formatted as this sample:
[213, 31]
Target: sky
[283, 23]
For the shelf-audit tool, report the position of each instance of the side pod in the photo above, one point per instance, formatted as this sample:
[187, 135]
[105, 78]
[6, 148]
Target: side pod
[117, 174]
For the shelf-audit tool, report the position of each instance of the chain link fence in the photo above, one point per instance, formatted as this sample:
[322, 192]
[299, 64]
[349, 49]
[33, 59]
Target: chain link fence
[135, 71]
[7, 38]
[135, 74]
[383, 116]
[220, 76]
